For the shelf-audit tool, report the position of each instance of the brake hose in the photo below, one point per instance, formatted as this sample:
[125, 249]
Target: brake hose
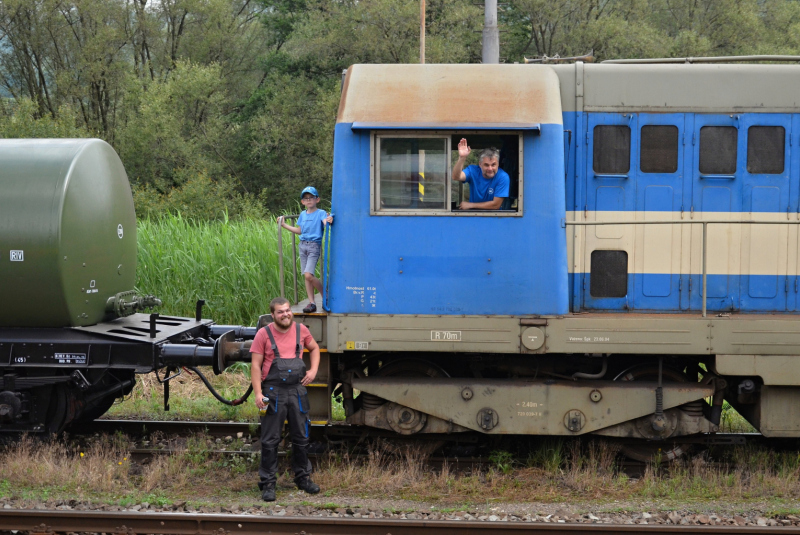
[231, 402]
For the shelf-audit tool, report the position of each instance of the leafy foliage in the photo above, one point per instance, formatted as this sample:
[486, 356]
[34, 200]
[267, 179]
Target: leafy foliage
[20, 119]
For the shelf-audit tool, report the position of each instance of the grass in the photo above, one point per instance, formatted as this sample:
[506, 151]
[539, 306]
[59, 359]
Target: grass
[233, 265]
[102, 472]
[733, 422]
[189, 398]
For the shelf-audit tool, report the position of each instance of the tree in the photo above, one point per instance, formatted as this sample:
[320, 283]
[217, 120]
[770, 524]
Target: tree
[175, 126]
[610, 28]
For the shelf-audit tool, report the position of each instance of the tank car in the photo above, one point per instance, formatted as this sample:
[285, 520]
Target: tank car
[73, 331]
[644, 271]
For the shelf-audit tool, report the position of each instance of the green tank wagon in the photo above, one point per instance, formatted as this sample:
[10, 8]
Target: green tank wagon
[67, 232]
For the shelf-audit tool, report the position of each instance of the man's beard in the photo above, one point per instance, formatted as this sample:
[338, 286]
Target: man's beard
[285, 322]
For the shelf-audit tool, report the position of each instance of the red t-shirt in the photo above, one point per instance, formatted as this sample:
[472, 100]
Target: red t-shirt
[284, 341]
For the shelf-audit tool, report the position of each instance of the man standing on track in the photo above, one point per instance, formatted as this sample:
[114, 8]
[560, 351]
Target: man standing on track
[278, 372]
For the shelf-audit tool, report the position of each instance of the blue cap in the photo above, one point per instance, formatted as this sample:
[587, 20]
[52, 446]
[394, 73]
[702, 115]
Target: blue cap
[310, 189]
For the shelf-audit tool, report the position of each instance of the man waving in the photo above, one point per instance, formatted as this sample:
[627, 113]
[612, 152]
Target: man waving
[488, 184]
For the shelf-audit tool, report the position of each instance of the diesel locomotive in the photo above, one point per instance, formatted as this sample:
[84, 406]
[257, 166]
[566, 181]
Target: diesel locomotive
[643, 270]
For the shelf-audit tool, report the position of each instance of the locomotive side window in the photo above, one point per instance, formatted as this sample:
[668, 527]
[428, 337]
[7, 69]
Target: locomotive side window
[659, 149]
[765, 150]
[609, 274]
[612, 149]
[718, 150]
[412, 173]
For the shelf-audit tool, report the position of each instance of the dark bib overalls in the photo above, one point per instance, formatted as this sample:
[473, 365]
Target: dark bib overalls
[288, 400]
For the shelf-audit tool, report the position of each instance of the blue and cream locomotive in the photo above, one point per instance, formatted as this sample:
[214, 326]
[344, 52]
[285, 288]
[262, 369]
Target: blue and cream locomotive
[646, 260]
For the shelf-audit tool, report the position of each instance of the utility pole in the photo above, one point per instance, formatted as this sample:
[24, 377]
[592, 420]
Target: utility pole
[491, 35]
[422, 31]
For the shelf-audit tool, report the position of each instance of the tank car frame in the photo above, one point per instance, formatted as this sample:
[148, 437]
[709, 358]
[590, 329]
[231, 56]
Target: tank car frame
[53, 377]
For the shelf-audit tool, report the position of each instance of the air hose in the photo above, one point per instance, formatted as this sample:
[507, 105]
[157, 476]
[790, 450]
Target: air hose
[231, 402]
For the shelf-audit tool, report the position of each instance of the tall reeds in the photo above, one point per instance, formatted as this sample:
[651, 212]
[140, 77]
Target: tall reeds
[233, 265]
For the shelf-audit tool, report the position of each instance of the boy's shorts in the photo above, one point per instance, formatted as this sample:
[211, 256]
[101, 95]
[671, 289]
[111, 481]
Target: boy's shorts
[309, 255]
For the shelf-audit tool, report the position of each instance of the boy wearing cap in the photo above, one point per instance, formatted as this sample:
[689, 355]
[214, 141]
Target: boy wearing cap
[310, 226]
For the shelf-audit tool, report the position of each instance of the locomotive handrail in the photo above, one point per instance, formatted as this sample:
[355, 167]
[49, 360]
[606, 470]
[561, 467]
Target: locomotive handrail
[326, 276]
[707, 59]
[294, 257]
[705, 224]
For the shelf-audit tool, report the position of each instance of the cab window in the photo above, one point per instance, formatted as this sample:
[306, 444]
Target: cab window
[411, 172]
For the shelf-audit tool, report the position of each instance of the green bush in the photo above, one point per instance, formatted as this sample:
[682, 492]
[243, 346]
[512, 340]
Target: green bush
[198, 198]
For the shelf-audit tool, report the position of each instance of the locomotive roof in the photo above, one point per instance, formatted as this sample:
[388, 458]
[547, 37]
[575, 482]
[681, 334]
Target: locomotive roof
[707, 88]
[450, 95]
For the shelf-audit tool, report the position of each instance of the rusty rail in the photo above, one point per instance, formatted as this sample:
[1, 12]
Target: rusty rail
[705, 224]
[37, 521]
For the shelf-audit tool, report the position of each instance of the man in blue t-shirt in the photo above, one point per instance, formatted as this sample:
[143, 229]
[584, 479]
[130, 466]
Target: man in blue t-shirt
[488, 184]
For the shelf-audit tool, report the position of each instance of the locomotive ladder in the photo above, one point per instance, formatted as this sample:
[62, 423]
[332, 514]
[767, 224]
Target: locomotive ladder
[705, 224]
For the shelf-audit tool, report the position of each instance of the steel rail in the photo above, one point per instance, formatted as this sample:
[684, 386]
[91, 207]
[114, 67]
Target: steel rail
[37, 521]
[705, 224]
[318, 431]
[142, 427]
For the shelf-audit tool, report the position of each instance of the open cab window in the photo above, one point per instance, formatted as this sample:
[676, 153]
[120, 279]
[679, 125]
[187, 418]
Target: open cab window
[411, 172]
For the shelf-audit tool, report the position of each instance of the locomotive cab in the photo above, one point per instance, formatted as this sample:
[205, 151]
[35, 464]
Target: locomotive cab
[401, 244]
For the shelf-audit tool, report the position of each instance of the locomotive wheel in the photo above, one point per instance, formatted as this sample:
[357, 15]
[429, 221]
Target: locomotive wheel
[654, 452]
[100, 406]
[94, 412]
[408, 421]
[59, 410]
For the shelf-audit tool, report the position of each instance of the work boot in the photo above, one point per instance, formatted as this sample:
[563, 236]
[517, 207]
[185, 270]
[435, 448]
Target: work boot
[269, 494]
[308, 486]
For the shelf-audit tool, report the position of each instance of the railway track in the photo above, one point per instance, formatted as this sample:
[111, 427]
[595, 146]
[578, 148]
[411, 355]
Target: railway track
[52, 522]
[138, 428]
[324, 436]
[332, 432]
[169, 427]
